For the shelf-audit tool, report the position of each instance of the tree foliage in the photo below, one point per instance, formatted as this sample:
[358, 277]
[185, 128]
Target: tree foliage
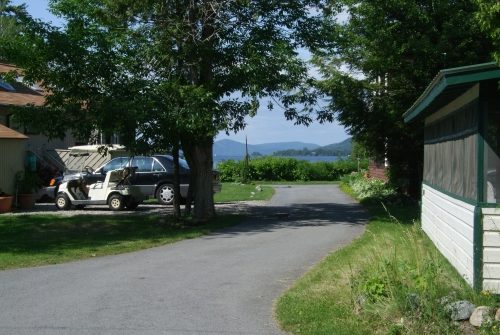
[158, 71]
[381, 59]
[488, 15]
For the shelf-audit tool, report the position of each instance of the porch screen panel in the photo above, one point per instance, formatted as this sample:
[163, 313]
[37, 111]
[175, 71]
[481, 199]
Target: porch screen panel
[450, 152]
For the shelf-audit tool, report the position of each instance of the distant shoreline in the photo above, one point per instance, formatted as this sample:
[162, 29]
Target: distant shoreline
[221, 158]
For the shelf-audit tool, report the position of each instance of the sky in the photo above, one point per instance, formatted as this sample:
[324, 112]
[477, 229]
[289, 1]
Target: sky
[266, 127]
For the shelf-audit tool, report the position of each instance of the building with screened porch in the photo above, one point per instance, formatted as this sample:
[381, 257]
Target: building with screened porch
[461, 178]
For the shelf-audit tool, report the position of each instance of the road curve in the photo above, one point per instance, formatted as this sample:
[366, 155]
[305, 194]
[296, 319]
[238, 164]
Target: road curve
[223, 283]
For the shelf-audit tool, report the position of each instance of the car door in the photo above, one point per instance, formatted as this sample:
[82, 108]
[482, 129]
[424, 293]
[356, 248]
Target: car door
[144, 177]
[168, 176]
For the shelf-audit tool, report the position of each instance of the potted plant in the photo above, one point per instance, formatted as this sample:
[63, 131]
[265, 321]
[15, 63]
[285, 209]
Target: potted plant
[5, 202]
[27, 183]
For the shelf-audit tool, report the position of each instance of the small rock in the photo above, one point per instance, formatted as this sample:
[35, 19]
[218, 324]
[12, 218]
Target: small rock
[361, 299]
[480, 315]
[497, 315]
[466, 328]
[413, 301]
[252, 193]
[460, 310]
[359, 303]
[258, 188]
[448, 298]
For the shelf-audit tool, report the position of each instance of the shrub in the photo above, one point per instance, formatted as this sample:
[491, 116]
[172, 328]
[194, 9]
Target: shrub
[230, 170]
[286, 169]
[363, 187]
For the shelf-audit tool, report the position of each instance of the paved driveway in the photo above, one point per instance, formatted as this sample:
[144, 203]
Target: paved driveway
[223, 283]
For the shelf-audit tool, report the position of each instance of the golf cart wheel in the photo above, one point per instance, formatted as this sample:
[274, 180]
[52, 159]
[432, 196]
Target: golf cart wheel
[62, 202]
[132, 205]
[165, 194]
[115, 202]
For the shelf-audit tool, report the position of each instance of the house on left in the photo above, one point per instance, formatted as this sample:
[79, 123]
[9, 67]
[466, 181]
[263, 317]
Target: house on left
[20, 148]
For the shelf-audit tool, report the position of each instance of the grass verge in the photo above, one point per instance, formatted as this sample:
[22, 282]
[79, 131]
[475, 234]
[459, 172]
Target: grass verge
[389, 281]
[297, 182]
[238, 192]
[47, 239]
[243, 192]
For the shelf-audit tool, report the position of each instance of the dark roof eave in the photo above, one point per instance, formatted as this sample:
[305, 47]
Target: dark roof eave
[447, 78]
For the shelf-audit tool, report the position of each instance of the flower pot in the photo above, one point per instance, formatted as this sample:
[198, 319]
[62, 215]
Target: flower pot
[5, 203]
[26, 201]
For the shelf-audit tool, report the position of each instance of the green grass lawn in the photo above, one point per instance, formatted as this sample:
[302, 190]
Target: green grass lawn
[365, 288]
[48, 239]
[243, 192]
[237, 192]
[33, 240]
[326, 182]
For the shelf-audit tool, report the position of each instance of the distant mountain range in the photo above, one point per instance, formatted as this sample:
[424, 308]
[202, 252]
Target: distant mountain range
[343, 148]
[233, 148]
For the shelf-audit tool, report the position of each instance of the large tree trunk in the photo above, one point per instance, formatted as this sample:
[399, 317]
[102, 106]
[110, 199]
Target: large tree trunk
[177, 187]
[199, 157]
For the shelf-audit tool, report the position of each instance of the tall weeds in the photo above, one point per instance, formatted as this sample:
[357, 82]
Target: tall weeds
[403, 279]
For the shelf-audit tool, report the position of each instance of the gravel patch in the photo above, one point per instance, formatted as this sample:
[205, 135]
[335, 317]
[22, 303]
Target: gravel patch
[237, 207]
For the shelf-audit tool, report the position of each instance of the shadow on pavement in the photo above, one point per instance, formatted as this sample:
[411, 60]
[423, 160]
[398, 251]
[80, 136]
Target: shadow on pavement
[271, 218]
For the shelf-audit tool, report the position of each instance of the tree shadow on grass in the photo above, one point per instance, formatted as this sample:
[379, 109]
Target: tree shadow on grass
[49, 234]
[396, 209]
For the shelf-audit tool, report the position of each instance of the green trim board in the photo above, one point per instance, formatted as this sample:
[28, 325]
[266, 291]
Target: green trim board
[488, 205]
[478, 215]
[480, 154]
[453, 81]
[477, 261]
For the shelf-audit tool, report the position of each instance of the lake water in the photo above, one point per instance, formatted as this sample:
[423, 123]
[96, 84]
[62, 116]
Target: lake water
[221, 158]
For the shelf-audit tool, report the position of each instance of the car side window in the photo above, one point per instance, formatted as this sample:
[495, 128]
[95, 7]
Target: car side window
[144, 164]
[169, 164]
[157, 167]
[114, 164]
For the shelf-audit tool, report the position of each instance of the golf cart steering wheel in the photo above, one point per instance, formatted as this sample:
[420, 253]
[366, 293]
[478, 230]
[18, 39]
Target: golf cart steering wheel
[88, 169]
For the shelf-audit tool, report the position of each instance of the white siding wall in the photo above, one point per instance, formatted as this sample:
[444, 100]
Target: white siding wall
[491, 249]
[449, 224]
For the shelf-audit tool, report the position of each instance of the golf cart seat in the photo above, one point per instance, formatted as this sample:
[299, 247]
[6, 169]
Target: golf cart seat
[121, 176]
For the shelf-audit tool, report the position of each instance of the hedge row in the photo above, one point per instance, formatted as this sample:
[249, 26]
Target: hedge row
[285, 169]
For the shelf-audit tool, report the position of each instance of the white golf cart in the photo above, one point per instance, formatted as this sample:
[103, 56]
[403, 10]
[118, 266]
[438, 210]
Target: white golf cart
[115, 191]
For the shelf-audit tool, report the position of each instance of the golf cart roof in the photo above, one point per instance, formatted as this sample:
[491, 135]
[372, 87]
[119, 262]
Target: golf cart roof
[96, 147]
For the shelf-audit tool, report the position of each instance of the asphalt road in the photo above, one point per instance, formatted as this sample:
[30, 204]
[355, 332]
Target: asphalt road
[223, 283]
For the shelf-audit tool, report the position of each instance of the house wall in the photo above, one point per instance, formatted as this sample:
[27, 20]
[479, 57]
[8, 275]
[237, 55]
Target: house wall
[449, 224]
[491, 249]
[39, 144]
[12, 154]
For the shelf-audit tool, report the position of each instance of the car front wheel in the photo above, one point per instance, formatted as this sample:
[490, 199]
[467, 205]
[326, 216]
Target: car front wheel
[116, 202]
[165, 194]
[63, 202]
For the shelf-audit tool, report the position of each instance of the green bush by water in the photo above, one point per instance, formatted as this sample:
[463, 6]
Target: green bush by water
[286, 169]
